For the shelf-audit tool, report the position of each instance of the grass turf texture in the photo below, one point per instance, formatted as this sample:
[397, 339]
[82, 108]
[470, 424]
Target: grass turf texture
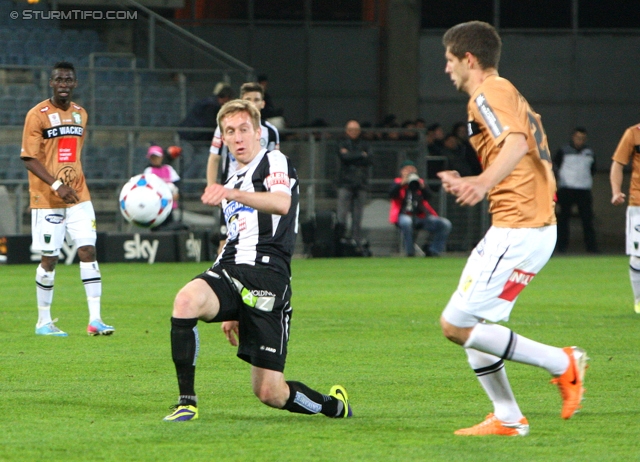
[368, 324]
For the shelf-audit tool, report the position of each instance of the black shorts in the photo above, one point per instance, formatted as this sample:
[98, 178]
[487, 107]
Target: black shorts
[261, 301]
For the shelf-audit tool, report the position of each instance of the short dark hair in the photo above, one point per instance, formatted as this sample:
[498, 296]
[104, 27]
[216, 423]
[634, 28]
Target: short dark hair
[580, 130]
[433, 127]
[262, 78]
[64, 65]
[476, 37]
[251, 87]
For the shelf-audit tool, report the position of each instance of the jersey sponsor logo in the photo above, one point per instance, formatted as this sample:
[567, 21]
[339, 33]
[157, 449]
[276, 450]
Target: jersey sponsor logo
[54, 218]
[54, 119]
[277, 178]
[67, 148]
[63, 130]
[489, 116]
[515, 284]
[77, 118]
[44, 109]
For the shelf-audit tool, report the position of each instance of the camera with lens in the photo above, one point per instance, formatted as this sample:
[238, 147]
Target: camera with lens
[414, 181]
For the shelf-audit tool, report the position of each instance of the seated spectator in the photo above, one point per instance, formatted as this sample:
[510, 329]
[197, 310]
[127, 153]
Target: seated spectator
[410, 211]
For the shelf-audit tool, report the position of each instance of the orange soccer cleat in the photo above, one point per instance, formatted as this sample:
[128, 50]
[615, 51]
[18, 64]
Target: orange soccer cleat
[493, 426]
[570, 383]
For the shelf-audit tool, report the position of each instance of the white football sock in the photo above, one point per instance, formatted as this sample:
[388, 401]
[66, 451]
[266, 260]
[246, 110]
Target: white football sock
[634, 276]
[44, 294]
[493, 377]
[90, 275]
[503, 343]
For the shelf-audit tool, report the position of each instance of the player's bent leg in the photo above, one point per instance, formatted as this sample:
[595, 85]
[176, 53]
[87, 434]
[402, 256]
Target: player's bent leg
[196, 300]
[454, 333]
[269, 387]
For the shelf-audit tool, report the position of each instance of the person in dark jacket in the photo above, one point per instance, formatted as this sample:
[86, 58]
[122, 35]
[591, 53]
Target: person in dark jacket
[353, 179]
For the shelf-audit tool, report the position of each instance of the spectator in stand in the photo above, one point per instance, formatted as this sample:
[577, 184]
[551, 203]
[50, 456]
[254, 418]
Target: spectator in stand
[202, 114]
[454, 151]
[269, 111]
[353, 180]
[435, 138]
[470, 155]
[410, 211]
[408, 134]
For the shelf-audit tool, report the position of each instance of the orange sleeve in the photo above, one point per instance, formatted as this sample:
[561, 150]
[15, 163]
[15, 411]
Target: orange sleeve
[32, 135]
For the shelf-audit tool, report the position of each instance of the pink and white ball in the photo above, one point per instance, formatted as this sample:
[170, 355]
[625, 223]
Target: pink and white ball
[146, 200]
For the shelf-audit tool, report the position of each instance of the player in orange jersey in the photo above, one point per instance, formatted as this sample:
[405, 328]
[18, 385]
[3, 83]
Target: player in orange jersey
[628, 151]
[517, 177]
[60, 202]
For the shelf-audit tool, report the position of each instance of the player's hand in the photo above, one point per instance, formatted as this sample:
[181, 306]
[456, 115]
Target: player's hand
[67, 194]
[448, 178]
[213, 194]
[230, 330]
[618, 198]
[468, 190]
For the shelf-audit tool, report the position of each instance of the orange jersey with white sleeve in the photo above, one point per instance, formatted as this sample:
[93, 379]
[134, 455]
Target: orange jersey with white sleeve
[55, 137]
[524, 199]
[628, 149]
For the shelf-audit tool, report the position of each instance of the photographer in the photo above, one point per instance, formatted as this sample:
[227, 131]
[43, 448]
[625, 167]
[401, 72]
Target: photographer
[410, 211]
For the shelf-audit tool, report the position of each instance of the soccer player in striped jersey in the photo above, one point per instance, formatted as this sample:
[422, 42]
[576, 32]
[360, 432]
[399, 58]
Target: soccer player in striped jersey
[219, 153]
[517, 177]
[248, 288]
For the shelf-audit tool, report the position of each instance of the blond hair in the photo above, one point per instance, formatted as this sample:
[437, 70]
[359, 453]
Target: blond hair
[239, 105]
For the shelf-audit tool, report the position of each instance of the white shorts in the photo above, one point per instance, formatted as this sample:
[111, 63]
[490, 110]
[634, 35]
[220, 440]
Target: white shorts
[633, 230]
[500, 266]
[50, 226]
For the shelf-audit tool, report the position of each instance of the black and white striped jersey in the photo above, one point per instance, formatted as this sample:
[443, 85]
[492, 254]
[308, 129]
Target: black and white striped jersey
[269, 139]
[256, 238]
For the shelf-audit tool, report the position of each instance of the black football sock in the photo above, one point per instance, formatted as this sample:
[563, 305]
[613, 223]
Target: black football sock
[184, 350]
[304, 400]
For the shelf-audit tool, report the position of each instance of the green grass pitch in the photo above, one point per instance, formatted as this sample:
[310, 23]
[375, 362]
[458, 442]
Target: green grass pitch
[368, 324]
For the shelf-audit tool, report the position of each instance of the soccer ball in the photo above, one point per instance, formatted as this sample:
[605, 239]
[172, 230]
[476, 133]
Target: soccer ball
[146, 200]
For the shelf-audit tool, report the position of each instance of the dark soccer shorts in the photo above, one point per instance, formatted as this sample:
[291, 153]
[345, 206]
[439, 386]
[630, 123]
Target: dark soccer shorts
[260, 300]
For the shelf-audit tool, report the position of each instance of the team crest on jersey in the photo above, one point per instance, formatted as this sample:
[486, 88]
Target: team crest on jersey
[77, 118]
[54, 119]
